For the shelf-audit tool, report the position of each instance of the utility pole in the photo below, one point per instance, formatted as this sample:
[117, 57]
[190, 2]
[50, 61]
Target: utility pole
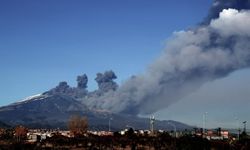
[110, 123]
[204, 124]
[238, 128]
[173, 125]
[152, 121]
[245, 126]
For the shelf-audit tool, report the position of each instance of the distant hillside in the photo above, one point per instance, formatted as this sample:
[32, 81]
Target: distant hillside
[54, 111]
[4, 125]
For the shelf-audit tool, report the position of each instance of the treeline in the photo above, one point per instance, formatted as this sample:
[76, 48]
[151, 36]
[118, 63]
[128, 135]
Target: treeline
[80, 138]
[159, 141]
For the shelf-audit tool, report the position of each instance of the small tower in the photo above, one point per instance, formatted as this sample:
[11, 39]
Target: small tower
[152, 121]
[245, 124]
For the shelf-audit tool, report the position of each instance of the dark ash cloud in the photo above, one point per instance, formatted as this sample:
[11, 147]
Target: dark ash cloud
[62, 87]
[82, 81]
[105, 81]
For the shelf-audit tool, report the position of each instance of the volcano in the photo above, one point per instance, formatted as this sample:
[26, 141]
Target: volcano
[54, 110]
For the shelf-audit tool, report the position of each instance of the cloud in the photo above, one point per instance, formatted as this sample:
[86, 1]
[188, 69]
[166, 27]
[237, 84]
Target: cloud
[219, 5]
[213, 50]
[82, 81]
[191, 59]
[232, 22]
[105, 81]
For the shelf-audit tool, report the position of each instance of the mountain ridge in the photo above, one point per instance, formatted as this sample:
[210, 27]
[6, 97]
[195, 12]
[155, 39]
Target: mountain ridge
[53, 108]
[54, 111]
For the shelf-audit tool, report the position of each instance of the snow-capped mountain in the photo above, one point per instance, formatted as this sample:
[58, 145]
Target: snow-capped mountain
[53, 108]
[54, 111]
[43, 109]
[33, 97]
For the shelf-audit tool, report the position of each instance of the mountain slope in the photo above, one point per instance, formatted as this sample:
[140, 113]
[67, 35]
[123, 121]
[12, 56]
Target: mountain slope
[44, 110]
[54, 111]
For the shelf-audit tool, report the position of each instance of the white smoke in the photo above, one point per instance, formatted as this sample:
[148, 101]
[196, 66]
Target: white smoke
[232, 22]
[191, 58]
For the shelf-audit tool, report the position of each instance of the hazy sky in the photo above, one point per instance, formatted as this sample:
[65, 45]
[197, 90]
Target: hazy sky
[44, 42]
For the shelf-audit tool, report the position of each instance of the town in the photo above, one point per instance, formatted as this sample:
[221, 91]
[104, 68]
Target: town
[80, 136]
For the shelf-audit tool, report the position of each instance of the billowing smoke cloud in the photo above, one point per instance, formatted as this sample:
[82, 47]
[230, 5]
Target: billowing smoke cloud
[62, 87]
[191, 59]
[82, 81]
[219, 5]
[219, 46]
[76, 92]
[105, 81]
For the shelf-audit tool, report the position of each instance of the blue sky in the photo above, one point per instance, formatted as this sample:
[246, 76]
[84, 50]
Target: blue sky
[44, 42]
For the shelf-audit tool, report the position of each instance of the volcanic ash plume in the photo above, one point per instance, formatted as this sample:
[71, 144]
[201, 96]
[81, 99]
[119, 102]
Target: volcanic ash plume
[105, 81]
[82, 81]
[219, 5]
[191, 58]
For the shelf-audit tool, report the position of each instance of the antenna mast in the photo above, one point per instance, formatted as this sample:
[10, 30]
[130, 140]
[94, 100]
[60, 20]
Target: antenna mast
[152, 121]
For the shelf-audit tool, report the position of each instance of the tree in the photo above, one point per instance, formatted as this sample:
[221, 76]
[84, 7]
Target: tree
[20, 133]
[78, 125]
[130, 133]
[219, 131]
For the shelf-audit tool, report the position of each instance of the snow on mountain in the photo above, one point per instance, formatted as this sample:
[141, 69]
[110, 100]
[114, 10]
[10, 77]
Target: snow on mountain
[32, 98]
[53, 111]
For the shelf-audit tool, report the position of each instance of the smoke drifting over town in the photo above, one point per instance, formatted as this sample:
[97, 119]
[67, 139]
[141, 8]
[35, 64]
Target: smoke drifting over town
[214, 49]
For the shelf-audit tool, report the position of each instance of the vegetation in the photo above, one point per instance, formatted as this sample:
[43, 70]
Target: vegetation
[78, 125]
[20, 133]
[15, 139]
